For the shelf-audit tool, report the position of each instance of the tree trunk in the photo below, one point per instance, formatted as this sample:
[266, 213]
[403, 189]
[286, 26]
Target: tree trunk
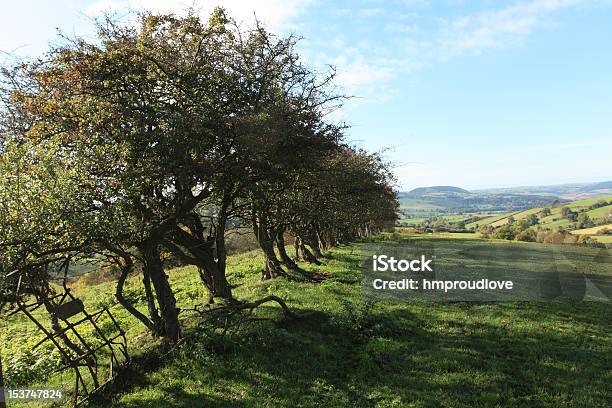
[296, 247]
[126, 268]
[165, 296]
[158, 329]
[212, 272]
[206, 280]
[282, 251]
[272, 266]
[308, 256]
[315, 248]
[221, 287]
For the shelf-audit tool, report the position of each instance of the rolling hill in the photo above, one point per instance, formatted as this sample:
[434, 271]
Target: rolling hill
[446, 200]
[571, 191]
[424, 191]
[555, 219]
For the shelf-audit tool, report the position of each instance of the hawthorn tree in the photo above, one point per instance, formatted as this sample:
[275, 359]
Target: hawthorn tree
[146, 108]
[161, 136]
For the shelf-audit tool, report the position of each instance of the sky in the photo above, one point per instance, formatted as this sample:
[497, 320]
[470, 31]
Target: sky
[475, 94]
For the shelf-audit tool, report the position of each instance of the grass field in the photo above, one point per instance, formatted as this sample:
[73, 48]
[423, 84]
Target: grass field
[489, 220]
[351, 352]
[552, 221]
[593, 230]
[449, 218]
[606, 239]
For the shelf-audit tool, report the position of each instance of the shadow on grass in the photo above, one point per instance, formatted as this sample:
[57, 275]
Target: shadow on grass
[535, 354]
[391, 356]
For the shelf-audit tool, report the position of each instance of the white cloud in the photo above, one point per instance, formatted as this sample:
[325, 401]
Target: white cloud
[448, 38]
[371, 12]
[497, 28]
[278, 15]
[360, 72]
[401, 28]
[366, 69]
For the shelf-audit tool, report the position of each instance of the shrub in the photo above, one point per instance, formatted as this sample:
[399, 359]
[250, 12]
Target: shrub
[554, 238]
[505, 232]
[528, 235]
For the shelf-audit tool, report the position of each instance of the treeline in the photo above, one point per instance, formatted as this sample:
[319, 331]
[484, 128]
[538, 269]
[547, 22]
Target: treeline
[163, 136]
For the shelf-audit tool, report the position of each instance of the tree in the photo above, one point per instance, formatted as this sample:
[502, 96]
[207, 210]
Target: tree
[584, 221]
[505, 232]
[161, 135]
[567, 213]
[546, 211]
[529, 221]
[146, 110]
[528, 235]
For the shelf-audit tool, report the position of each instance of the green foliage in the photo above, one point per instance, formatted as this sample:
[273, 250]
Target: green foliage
[527, 235]
[584, 221]
[567, 213]
[152, 141]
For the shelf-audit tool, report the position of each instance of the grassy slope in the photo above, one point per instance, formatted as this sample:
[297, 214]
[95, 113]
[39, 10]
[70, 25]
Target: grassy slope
[552, 221]
[449, 218]
[592, 230]
[387, 354]
[490, 220]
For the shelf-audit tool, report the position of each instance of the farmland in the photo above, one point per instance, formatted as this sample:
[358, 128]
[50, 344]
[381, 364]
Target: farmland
[555, 219]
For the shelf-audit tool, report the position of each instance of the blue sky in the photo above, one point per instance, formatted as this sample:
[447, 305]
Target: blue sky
[469, 93]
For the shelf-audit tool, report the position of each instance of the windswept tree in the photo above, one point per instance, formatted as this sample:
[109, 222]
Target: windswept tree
[147, 109]
[162, 135]
[279, 130]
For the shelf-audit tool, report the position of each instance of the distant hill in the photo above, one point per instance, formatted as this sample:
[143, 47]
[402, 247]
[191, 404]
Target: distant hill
[571, 191]
[422, 191]
[446, 200]
[604, 185]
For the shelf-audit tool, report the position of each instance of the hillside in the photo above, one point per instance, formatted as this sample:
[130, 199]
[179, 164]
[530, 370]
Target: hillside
[570, 191]
[427, 203]
[443, 201]
[422, 191]
[593, 230]
[349, 352]
[555, 219]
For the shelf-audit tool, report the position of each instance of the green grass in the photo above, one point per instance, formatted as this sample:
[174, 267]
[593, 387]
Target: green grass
[450, 218]
[605, 239]
[350, 352]
[592, 230]
[600, 212]
[552, 221]
[489, 220]
[416, 205]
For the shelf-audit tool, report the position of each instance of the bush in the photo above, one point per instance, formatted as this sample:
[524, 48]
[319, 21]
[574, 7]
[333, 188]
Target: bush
[486, 230]
[505, 232]
[527, 235]
[588, 241]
